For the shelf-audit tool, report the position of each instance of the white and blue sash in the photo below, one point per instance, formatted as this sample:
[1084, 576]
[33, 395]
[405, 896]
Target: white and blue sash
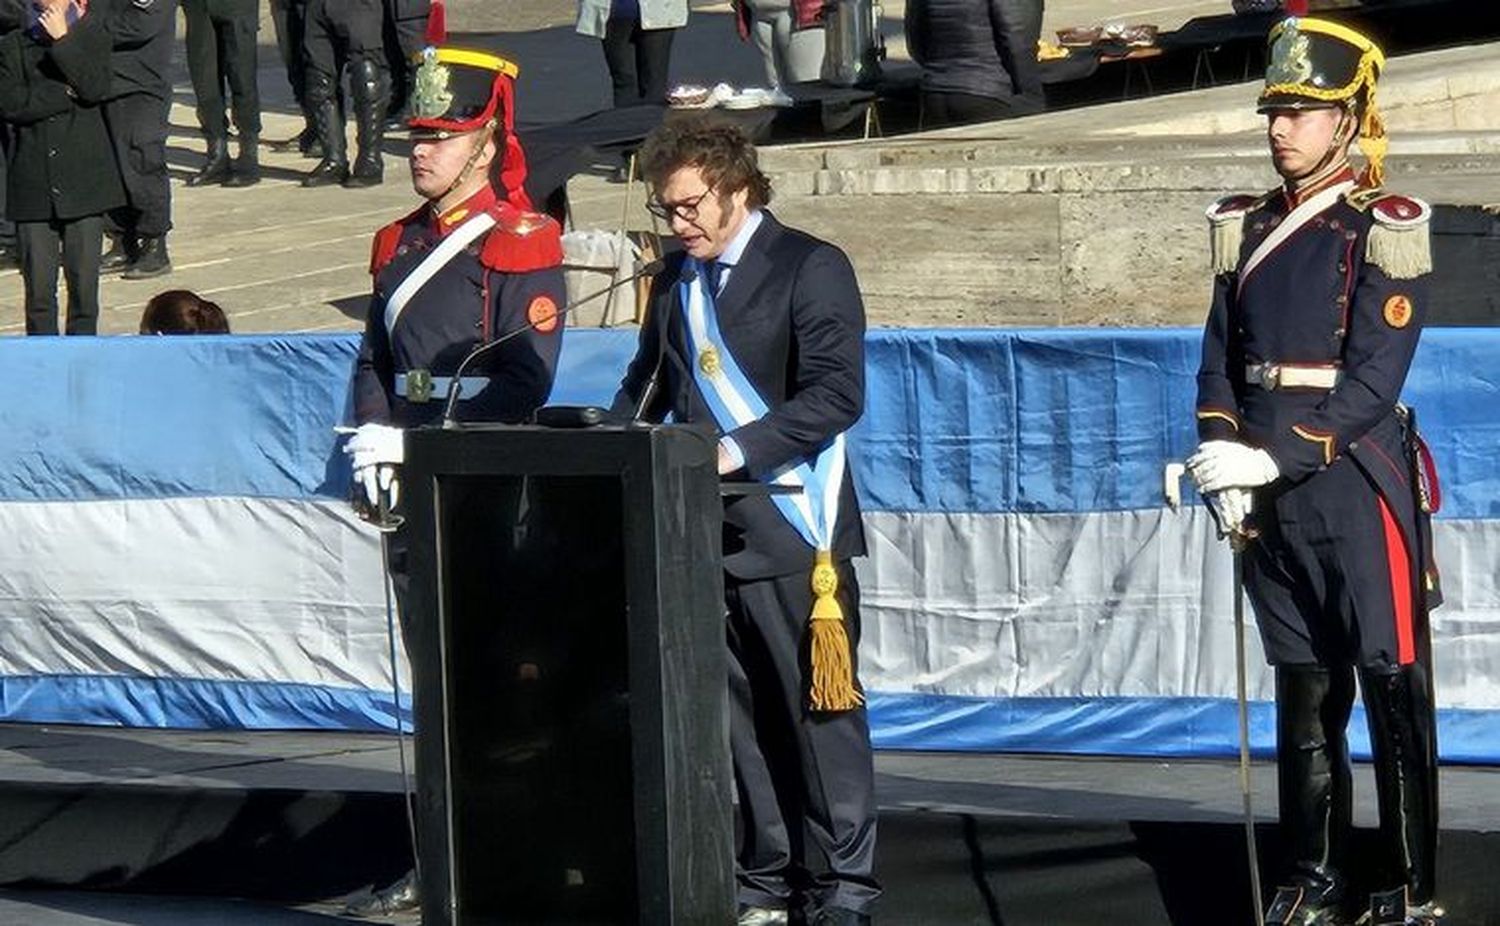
[734, 402]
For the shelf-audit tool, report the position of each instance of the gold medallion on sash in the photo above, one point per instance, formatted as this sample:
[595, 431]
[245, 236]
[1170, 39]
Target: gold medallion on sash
[708, 361]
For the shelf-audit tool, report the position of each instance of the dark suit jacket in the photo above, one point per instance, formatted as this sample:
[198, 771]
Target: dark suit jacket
[792, 317]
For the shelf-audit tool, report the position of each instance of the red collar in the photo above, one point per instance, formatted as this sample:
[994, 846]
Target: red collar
[474, 205]
[1296, 196]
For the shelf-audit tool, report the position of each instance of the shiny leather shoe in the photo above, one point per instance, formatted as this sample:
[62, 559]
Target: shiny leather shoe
[761, 916]
[398, 898]
[328, 172]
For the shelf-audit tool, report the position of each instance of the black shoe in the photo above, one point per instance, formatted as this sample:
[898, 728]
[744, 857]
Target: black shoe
[216, 169]
[1300, 906]
[246, 169]
[152, 261]
[365, 174]
[761, 916]
[398, 898]
[121, 253]
[328, 172]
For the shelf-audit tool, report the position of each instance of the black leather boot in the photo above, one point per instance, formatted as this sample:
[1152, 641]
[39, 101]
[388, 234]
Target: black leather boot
[121, 254]
[1315, 789]
[367, 86]
[216, 169]
[1403, 739]
[151, 261]
[246, 169]
[335, 164]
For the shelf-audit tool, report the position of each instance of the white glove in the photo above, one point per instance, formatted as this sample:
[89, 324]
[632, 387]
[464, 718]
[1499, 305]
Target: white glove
[1233, 508]
[1222, 464]
[374, 452]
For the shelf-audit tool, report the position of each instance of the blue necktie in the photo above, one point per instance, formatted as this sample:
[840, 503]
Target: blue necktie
[714, 271]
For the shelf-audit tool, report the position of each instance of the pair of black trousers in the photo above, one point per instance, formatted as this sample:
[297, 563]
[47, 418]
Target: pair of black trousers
[78, 243]
[220, 51]
[288, 17]
[336, 33]
[638, 61]
[138, 131]
[405, 37]
[800, 775]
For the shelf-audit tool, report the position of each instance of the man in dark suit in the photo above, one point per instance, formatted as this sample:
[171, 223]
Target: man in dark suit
[757, 330]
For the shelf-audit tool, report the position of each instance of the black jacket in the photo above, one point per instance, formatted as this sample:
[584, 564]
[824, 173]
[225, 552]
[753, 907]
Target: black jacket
[141, 36]
[982, 47]
[62, 165]
[792, 317]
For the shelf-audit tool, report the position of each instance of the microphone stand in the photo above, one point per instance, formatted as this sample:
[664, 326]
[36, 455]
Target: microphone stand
[455, 386]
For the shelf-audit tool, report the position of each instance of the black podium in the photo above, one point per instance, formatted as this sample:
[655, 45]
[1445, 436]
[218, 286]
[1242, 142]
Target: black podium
[566, 633]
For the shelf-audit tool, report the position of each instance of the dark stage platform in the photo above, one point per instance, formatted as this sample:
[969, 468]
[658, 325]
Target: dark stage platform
[108, 826]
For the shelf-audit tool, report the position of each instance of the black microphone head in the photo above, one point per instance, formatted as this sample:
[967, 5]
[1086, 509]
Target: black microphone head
[653, 268]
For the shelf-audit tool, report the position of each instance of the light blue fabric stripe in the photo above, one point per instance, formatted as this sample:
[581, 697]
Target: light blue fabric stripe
[1158, 727]
[960, 420]
[195, 704]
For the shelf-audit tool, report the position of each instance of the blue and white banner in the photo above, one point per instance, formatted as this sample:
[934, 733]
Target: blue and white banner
[178, 551]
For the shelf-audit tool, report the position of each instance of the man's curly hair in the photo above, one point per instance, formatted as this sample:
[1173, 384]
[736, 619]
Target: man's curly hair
[717, 148]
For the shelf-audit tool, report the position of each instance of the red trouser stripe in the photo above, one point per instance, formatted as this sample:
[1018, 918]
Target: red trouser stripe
[1400, 566]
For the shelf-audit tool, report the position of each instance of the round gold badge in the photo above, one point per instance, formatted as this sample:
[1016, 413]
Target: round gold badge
[708, 361]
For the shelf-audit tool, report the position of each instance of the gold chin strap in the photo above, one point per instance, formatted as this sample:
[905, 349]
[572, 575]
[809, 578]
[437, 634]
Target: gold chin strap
[463, 176]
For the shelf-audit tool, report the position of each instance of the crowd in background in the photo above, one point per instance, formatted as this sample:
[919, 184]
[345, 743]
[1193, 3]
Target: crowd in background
[85, 90]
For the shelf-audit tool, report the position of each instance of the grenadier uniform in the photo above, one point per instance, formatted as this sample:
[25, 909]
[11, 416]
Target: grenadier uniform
[444, 284]
[438, 297]
[1319, 294]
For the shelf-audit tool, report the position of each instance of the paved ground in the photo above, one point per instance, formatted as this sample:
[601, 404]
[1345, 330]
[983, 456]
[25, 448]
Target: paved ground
[279, 258]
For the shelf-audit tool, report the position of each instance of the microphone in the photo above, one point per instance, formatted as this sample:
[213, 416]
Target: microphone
[455, 386]
[648, 391]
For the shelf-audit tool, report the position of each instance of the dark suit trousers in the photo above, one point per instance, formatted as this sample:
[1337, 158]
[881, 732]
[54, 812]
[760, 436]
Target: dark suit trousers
[800, 776]
[138, 132]
[638, 60]
[80, 241]
[220, 50]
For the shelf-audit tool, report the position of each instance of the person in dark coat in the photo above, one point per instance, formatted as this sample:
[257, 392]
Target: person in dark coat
[1318, 474]
[405, 37]
[757, 330]
[221, 50]
[53, 75]
[978, 59]
[141, 33]
[339, 35]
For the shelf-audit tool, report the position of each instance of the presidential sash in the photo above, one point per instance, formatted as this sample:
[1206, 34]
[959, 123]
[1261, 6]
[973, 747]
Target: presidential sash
[812, 510]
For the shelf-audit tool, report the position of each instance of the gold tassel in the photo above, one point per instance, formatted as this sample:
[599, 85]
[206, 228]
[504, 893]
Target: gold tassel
[1373, 144]
[1403, 253]
[831, 657]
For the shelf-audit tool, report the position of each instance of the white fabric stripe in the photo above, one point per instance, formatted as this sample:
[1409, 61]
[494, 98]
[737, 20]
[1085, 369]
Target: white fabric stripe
[1294, 220]
[239, 589]
[457, 240]
[1131, 603]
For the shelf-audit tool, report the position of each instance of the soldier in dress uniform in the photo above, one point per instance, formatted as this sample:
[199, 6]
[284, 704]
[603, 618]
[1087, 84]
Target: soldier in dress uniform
[473, 263]
[1309, 461]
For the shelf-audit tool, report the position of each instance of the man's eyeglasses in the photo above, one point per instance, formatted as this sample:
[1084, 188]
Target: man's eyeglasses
[687, 209]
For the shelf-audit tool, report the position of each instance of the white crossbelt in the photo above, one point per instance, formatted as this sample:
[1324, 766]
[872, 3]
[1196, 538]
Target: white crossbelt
[1293, 376]
[458, 239]
[471, 385]
[1298, 217]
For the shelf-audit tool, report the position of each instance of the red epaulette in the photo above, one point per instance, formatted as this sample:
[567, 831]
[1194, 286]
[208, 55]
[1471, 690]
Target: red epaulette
[522, 241]
[389, 238]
